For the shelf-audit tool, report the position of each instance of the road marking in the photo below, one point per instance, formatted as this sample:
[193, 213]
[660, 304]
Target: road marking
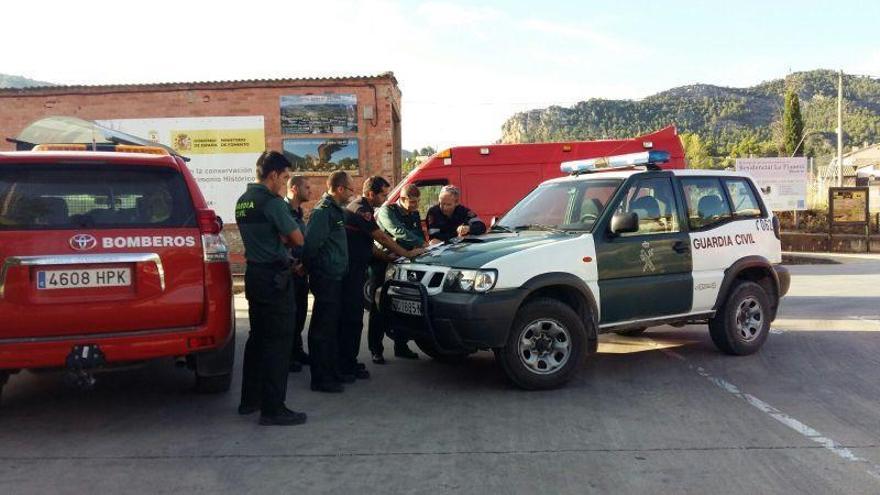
[798, 426]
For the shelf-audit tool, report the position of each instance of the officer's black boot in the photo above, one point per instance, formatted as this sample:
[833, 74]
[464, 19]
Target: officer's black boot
[285, 417]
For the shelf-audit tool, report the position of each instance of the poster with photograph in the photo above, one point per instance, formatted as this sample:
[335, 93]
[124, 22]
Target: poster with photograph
[319, 114]
[322, 156]
[222, 151]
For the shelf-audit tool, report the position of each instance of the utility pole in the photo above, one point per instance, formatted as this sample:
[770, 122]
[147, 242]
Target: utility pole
[840, 129]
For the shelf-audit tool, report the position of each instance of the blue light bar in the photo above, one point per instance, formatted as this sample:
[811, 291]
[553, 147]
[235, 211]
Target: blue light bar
[647, 158]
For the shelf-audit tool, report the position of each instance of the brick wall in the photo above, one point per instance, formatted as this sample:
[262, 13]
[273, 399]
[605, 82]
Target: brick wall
[379, 144]
[379, 153]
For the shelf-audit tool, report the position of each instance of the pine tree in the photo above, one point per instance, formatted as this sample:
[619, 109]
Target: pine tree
[792, 124]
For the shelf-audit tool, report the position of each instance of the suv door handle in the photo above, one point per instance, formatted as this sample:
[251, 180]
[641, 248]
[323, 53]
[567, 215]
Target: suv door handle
[681, 247]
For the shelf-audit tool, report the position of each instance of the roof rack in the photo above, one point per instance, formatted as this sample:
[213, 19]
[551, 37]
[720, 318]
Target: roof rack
[73, 131]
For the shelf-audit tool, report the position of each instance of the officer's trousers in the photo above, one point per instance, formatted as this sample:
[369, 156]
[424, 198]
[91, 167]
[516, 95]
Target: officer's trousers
[351, 324]
[301, 290]
[378, 321]
[271, 309]
[324, 329]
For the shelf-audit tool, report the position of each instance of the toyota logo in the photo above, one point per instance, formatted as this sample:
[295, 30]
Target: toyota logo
[83, 242]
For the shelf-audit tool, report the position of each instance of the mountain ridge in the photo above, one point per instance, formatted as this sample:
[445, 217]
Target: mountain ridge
[730, 121]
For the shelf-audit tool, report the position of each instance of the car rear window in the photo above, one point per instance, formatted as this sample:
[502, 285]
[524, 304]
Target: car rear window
[77, 196]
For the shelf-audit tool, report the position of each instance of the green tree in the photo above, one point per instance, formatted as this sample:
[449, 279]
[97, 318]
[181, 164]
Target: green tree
[792, 123]
[695, 151]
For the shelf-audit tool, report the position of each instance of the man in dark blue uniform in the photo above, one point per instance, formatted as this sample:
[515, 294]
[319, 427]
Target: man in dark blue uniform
[362, 231]
[264, 220]
[449, 218]
[298, 192]
[325, 256]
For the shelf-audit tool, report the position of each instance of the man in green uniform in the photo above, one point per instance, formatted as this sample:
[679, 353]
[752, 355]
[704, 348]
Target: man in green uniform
[325, 255]
[401, 222]
[265, 223]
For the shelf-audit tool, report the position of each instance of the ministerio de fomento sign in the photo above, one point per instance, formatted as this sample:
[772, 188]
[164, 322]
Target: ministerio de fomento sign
[783, 181]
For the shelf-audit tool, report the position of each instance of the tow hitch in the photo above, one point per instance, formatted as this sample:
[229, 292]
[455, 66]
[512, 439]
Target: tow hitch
[81, 360]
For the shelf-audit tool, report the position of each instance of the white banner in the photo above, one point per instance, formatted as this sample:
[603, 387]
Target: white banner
[223, 151]
[783, 181]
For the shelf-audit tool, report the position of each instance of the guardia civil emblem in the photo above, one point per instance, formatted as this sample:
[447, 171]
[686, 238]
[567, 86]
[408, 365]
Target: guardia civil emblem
[647, 257]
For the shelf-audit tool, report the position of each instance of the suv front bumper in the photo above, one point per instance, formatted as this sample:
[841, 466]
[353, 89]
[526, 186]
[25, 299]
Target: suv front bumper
[453, 322]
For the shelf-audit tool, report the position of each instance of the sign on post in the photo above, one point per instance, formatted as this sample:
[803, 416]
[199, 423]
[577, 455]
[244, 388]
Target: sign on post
[848, 206]
[783, 181]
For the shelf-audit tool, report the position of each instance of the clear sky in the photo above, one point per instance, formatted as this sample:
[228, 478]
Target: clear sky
[463, 66]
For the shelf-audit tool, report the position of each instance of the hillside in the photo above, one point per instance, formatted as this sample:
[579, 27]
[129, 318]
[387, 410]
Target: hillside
[730, 121]
[9, 81]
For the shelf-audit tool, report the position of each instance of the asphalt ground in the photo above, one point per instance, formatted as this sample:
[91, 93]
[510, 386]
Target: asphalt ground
[664, 413]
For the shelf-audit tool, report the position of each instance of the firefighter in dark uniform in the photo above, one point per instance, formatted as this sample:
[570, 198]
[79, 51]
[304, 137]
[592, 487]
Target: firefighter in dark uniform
[325, 256]
[298, 192]
[362, 230]
[449, 218]
[402, 223]
[265, 223]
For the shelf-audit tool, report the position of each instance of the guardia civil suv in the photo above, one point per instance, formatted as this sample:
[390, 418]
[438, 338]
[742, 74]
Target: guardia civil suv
[618, 246]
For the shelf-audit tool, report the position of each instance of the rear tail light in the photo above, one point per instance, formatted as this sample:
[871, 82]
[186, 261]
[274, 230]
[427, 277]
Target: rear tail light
[776, 227]
[213, 244]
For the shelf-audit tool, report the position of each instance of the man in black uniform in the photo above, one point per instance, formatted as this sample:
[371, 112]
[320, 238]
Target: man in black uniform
[264, 219]
[298, 192]
[362, 230]
[449, 218]
[401, 222]
[325, 255]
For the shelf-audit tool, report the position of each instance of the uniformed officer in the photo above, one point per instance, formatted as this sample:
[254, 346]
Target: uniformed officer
[449, 218]
[402, 223]
[264, 219]
[362, 230]
[298, 192]
[325, 256]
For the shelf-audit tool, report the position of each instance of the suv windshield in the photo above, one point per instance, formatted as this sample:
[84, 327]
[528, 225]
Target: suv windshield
[74, 196]
[574, 205]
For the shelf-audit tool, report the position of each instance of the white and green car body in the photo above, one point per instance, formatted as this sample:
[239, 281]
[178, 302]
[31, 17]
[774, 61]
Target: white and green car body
[564, 266]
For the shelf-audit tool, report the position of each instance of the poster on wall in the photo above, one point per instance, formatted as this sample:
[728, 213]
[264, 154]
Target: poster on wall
[848, 205]
[783, 181]
[319, 114]
[222, 151]
[322, 156]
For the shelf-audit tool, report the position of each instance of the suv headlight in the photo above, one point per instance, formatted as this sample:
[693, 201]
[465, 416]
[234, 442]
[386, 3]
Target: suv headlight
[471, 280]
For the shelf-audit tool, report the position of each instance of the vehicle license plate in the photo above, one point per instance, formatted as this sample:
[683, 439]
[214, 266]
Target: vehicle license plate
[407, 307]
[84, 279]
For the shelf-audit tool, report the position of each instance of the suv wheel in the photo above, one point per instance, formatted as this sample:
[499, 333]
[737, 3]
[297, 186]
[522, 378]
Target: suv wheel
[742, 324]
[429, 350]
[214, 369]
[546, 346]
[4, 377]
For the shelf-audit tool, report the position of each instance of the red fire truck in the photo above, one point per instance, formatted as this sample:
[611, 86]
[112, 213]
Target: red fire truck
[493, 178]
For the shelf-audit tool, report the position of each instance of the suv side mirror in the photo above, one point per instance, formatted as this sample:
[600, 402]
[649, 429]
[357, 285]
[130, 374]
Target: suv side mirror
[622, 223]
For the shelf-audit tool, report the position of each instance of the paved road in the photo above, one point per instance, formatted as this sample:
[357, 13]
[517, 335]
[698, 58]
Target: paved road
[661, 414]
